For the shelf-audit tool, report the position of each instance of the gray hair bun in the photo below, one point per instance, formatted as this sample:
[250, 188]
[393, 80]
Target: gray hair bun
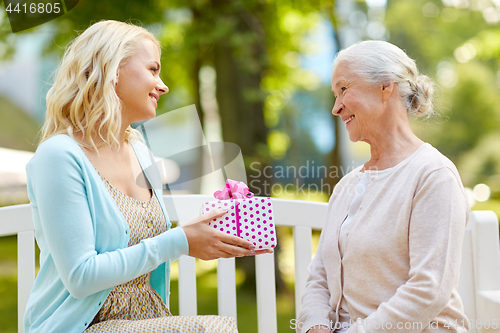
[420, 100]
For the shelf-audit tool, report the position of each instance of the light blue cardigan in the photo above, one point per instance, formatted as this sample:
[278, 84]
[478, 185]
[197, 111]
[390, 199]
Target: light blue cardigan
[83, 239]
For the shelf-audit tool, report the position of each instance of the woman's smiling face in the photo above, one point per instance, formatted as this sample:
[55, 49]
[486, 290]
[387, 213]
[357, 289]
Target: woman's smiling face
[357, 103]
[139, 85]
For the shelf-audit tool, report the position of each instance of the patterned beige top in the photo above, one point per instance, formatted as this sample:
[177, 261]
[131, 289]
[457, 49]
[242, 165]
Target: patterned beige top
[135, 307]
[135, 299]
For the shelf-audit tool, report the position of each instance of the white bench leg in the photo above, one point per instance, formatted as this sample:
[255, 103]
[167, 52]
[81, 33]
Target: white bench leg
[303, 254]
[226, 287]
[266, 293]
[25, 272]
[187, 286]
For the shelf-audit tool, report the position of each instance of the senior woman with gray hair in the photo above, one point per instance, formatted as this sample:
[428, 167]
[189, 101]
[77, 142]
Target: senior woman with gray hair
[388, 259]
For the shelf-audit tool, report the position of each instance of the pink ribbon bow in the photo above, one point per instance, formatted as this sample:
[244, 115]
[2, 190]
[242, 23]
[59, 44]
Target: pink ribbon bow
[233, 190]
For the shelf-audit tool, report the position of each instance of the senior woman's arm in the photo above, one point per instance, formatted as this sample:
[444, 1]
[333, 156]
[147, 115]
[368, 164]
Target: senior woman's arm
[315, 304]
[436, 229]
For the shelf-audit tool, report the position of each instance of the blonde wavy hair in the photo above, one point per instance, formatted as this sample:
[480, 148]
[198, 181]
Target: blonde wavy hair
[83, 97]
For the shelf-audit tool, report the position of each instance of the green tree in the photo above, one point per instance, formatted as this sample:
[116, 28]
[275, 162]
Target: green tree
[6, 37]
[429, 31]
[246, 41]
[472, 110]
[444, 40]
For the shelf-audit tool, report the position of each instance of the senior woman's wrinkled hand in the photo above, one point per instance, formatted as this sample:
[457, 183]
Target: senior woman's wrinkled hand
[206, 243]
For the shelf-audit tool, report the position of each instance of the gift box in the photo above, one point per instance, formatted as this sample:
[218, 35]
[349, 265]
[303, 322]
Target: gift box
[249, 217]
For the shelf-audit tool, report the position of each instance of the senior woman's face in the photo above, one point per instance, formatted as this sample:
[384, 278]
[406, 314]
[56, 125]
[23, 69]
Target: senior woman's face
[139, 85]
[357, 103]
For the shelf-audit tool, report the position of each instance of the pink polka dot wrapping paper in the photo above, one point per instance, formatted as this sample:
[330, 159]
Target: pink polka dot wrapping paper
[251, 219]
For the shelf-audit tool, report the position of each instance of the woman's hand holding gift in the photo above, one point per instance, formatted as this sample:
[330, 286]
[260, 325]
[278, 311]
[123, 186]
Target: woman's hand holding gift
[207, 243]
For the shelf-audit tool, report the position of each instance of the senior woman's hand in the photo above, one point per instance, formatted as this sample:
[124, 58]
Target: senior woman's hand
[206, 243]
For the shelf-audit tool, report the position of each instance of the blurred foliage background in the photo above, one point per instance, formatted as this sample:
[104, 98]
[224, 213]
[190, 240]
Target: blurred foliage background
[259, 70]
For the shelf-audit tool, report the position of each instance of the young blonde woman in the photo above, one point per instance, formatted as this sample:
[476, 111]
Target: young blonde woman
[105, 242]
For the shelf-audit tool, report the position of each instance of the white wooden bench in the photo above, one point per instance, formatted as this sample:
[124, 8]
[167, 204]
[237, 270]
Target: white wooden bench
[479, 280]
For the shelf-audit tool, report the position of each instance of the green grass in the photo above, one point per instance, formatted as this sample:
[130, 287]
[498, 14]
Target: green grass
[8, 284]
[18, 130]
[491, 204]
[8, 305]
[8, 246]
